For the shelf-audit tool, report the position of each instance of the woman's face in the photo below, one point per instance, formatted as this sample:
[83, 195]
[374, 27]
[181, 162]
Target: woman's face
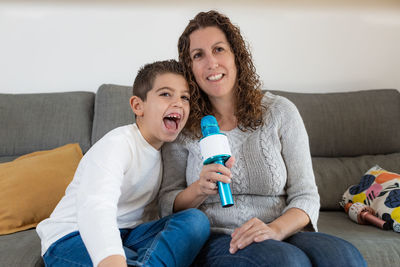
[213, 62]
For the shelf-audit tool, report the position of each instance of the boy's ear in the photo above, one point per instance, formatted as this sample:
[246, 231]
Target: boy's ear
[136, 105]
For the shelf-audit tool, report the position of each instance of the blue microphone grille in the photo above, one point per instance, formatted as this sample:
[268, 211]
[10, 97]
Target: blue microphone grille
[209, 125]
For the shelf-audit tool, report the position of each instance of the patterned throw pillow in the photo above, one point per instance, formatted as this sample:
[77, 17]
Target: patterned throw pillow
[380, 190]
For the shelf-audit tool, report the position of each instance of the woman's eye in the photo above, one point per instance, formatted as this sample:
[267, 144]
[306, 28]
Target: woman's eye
[186, 98]
[197, 55]
[219, 49]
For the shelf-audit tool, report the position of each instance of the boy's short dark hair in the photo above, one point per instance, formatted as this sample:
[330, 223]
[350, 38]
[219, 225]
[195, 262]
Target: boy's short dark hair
[146, 75]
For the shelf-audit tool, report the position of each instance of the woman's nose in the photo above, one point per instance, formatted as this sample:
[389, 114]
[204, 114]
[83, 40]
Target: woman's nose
[212, 62]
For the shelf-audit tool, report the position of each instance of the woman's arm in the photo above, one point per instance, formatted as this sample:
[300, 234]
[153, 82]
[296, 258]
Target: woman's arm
[301, 189]
[175, 195]
[302, 195]
[195, 194]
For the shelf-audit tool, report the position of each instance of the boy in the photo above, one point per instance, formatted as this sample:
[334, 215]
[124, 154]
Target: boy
[103, 219]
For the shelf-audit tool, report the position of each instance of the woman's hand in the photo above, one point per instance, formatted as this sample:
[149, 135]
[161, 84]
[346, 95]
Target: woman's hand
[253, 230]
[211, 174]
[195, 194]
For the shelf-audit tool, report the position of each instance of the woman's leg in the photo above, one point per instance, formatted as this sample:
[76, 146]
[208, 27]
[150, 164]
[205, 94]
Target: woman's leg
[174, 240]
[267, 253]
[68, 251]
[327, 250]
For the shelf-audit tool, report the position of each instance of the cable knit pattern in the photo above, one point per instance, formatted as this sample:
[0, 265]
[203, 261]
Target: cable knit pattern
[272, 172]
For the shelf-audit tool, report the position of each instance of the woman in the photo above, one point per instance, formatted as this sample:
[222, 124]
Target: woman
[272, 180]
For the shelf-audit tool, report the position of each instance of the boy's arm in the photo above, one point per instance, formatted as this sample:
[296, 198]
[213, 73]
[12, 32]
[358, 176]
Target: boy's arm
[113, 261]
[101, 176]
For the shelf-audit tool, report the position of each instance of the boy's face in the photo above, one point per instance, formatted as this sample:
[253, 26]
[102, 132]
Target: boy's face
[164, 113]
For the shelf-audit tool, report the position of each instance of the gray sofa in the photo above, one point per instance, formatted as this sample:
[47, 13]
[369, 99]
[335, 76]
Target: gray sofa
[349, 133]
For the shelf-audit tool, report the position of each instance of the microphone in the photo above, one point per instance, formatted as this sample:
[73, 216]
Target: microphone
[214, 147]
[363, 214]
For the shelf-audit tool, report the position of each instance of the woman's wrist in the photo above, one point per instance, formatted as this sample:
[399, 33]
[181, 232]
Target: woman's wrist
[292, 221]
[198, 191]
[279, 232]
[191, 197]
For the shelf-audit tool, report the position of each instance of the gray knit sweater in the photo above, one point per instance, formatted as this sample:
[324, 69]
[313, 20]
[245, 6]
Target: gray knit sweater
[272, 172]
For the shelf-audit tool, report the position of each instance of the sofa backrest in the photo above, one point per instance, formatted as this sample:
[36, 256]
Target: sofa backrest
[112, 109]
[351, 123]
[31, 122]
[349, 133]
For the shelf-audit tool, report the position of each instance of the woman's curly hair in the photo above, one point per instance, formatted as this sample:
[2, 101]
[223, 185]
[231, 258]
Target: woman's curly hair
[248, 94]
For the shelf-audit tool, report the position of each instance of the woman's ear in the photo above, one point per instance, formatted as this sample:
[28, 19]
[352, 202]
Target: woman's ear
[136, 105]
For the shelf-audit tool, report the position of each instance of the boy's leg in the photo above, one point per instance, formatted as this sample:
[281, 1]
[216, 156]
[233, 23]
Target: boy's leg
[68, 251]
[174, 240]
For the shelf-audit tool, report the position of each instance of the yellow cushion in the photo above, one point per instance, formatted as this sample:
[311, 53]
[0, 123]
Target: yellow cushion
[33, 184]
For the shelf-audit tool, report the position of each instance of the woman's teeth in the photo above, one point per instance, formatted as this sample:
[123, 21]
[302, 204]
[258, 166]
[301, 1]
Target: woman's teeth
[215, 77]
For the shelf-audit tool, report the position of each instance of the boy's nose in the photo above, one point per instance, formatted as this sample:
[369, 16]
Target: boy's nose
[178, 102]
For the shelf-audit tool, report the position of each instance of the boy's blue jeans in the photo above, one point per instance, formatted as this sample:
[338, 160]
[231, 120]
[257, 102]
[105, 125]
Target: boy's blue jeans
[301, 250]
[174, 240]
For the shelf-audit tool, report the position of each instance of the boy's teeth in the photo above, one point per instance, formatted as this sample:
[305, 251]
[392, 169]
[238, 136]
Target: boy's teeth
[174, 116]
[215, 77]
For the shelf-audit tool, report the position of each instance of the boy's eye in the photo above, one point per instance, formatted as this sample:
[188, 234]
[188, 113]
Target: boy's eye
[165, 94]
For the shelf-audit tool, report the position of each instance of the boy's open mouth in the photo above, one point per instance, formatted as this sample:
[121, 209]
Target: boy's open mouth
[171, 121]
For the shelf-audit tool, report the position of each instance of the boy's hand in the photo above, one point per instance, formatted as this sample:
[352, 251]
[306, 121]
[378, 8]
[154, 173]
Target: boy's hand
[212, 173]
[113, 261]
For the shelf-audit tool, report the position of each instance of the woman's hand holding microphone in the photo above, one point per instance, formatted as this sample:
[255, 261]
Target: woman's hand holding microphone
[211, 173]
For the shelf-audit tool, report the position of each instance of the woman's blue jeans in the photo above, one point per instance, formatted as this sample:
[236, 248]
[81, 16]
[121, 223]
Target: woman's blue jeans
[302, 249]
[174, 240]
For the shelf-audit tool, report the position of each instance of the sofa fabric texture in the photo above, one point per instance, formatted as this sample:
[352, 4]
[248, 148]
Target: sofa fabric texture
[350, 124]
[349, 133]
[32, 122]
[111, 110]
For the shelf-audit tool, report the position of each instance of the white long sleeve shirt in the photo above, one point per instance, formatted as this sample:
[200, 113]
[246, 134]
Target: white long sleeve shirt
[114, 187]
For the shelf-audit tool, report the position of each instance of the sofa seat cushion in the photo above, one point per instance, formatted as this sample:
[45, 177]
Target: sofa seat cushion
[379, 247]
[21, 249]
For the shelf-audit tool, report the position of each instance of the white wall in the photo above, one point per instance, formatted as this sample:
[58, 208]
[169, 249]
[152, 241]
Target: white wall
[297, 46]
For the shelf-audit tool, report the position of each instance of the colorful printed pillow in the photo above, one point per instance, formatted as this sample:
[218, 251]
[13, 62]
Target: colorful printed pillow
[380, 190]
